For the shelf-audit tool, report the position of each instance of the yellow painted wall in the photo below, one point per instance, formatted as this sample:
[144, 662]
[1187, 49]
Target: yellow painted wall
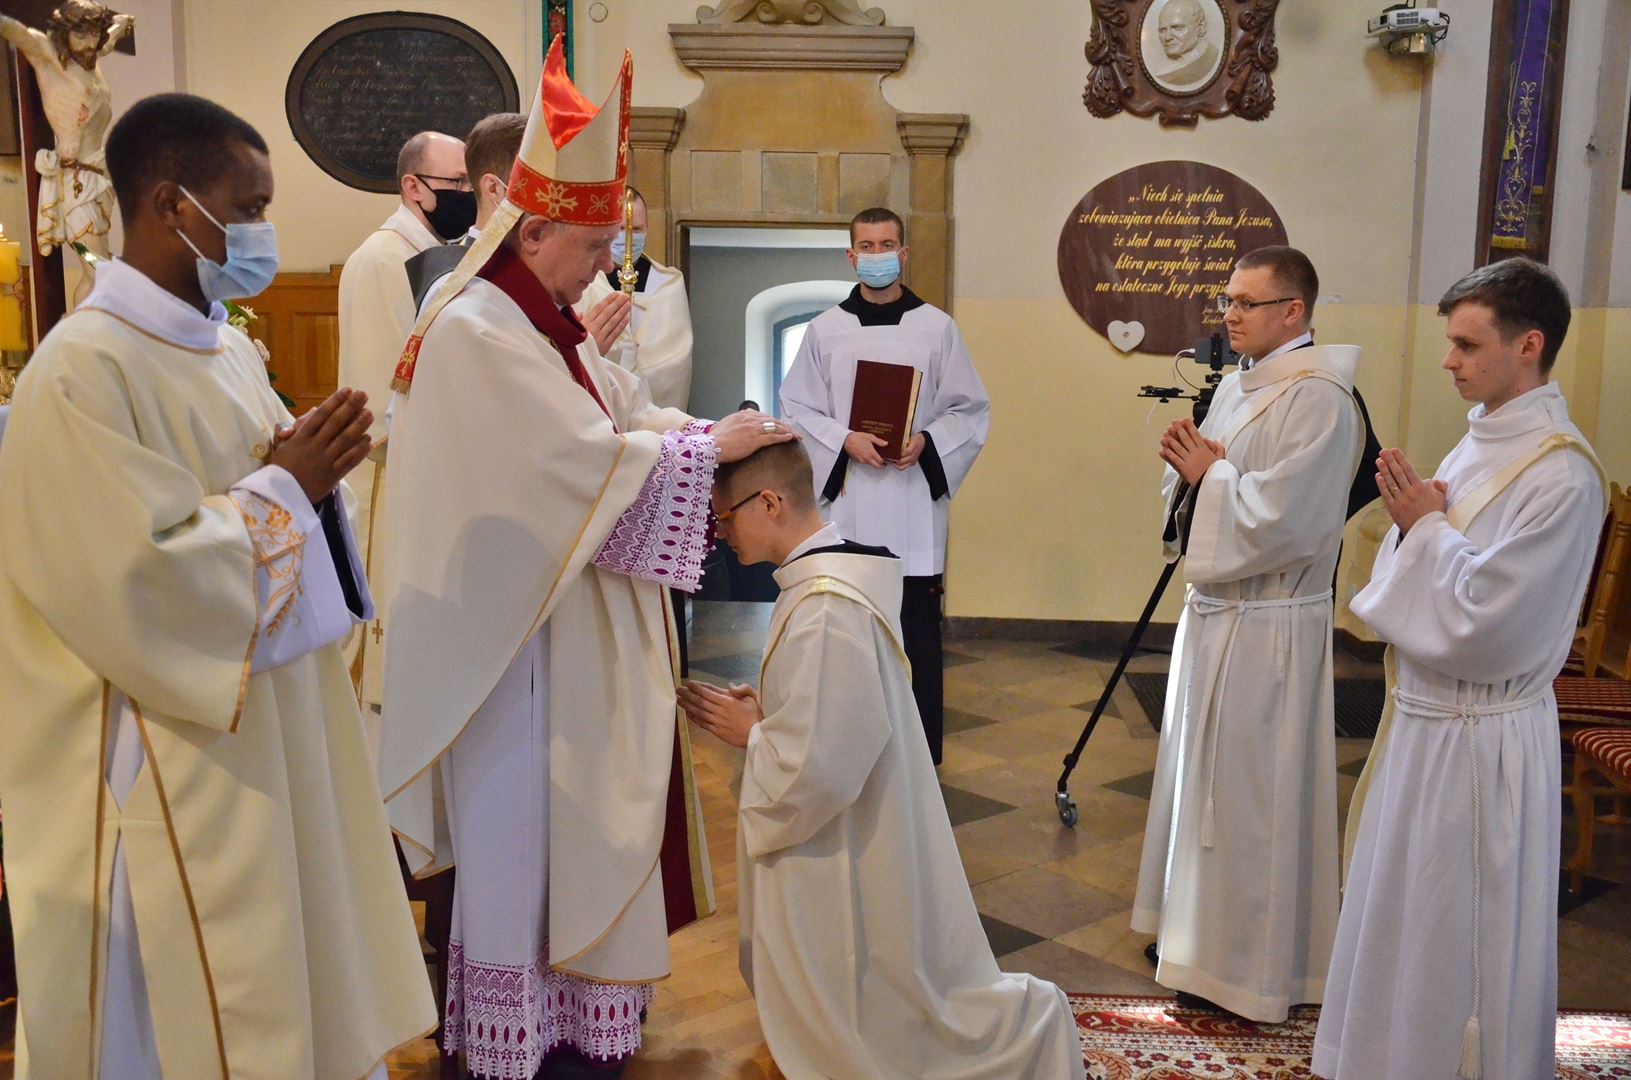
[240, 53]
[1059, 519]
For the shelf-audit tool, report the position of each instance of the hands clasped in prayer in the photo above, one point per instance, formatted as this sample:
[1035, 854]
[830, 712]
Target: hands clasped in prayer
[864, 448]
[1188, 451]
[1407, 496]
[607, 320]
[322, 446]
[729, 714]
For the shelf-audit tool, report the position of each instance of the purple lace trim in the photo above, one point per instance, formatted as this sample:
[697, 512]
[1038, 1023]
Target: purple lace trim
[663, 535]
[506, 1019]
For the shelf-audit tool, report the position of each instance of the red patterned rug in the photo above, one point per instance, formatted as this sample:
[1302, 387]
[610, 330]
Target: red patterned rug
[1144, 1038]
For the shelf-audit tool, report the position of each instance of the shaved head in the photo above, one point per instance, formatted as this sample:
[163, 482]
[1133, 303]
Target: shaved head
[780, 467]
[432, 154]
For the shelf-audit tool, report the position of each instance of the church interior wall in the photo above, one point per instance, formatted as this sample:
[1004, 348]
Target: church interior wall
[1371, 162]
[240, 53]
[1031, 536]
[721, 281]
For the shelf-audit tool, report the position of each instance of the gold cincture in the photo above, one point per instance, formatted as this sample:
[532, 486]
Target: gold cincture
[628, 277]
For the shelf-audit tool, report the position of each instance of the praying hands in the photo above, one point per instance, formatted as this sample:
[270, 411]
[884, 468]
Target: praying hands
[726, 714]
[1408, 497]
[1188, 451]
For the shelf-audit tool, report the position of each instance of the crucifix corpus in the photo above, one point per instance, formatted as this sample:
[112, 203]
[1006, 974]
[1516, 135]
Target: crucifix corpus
[74, 202]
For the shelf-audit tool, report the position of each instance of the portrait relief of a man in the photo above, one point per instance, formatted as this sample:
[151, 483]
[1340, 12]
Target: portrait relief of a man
[1181, 43]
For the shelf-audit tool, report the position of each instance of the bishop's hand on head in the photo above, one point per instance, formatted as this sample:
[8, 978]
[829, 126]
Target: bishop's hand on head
[325, 444]
[741, 433]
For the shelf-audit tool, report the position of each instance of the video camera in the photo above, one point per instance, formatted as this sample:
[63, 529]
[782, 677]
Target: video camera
[1215, 354]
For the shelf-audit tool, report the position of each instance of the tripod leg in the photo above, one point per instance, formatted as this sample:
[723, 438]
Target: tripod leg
[1062, 800]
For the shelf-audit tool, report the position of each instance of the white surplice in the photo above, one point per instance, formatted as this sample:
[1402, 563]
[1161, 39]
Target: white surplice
[889, 507]
[1459, 834]
[859, 936]
[1239, 871]
[272, 820]
[656, 344]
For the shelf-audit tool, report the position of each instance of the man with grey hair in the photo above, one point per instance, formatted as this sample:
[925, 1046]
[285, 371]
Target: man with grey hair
[1181, 28]
[1449, 919]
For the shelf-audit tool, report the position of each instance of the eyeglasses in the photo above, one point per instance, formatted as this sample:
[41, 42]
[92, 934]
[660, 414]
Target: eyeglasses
[1248, 306]
[460, 183]
[724, 516]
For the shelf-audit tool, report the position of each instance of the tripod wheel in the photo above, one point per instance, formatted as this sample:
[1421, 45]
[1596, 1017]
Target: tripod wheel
[1067, 809]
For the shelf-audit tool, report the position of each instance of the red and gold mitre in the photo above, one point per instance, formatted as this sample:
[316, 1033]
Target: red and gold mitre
[574, 158]
[572, 168]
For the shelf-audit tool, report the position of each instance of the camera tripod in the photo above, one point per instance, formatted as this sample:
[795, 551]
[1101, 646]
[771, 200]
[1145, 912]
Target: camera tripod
[1216, 356]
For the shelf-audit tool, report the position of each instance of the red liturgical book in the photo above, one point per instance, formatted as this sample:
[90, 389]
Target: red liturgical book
[885, 399]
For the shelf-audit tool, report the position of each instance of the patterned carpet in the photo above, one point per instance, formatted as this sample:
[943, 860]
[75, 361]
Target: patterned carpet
[1143, 1038]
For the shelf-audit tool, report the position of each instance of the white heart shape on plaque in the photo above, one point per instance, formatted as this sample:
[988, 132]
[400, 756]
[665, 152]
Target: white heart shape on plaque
[1125, 335]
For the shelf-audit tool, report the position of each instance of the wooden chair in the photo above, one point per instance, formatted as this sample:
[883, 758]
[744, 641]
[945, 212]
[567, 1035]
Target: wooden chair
[1599, 694]
[1603, 638]
[1602, 766]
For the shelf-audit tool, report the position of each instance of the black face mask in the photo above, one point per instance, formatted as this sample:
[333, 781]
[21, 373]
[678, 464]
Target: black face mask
[454, 214]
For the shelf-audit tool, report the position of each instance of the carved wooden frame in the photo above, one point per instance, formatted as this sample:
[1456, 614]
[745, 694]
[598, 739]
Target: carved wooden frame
[1242, 84]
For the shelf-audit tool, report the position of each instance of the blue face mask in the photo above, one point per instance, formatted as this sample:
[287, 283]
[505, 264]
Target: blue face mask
[617, 247]
[878, 271]
[251, 259]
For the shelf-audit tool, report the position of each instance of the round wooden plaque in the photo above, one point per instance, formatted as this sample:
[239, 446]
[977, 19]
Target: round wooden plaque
[1145, 254]
[368, 83]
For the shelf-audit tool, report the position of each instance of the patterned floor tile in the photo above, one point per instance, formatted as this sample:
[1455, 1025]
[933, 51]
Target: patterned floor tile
[1045, 903]
[1005, 938]
[965, 806]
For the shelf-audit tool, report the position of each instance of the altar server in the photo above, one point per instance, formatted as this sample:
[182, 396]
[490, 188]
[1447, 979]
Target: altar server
[1239, 871]
[1446, 953]
[859, 936]
[649, 335]
[196, 850]
[901, 505]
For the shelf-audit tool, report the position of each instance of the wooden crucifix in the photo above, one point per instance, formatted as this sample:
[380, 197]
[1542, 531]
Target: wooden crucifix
[59, 60]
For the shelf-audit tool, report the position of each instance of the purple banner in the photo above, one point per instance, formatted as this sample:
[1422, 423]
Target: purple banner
[1518, 214]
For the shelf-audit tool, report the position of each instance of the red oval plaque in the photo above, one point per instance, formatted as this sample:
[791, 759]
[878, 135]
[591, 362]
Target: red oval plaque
[1144, 255]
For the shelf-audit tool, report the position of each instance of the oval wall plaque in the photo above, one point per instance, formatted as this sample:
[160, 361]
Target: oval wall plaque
[1144, 255]
[368, 83]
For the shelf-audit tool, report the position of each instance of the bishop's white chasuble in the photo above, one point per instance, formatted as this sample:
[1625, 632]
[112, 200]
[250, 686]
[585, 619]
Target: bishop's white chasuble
[536, 505]
[1446, 953]
[1239, 871]
[201, 873]
[860, 938]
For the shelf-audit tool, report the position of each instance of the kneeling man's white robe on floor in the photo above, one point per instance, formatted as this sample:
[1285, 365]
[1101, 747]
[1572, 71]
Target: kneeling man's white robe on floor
[860, 938]
[1459, 833]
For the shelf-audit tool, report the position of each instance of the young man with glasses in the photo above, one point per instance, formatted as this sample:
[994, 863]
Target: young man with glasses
[1239, 873]
[859, 937]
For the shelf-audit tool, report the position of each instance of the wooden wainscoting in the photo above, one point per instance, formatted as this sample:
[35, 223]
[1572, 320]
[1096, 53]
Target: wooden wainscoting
[298, 319]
